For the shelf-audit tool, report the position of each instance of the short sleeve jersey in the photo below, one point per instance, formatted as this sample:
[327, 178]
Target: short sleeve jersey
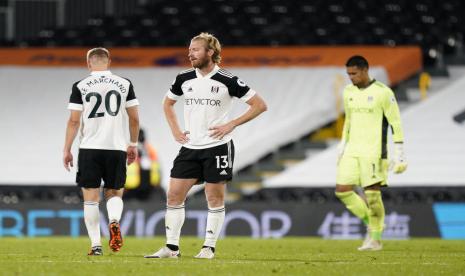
[103, 98]
[369, 113]
[207, 103]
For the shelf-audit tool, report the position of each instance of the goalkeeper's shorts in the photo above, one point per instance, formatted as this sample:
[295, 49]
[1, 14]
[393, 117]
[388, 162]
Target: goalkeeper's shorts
[362, 171]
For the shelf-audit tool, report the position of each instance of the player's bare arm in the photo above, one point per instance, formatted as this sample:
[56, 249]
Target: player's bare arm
[133, 115]
[170, 114]
[72, 128]
[256, 106]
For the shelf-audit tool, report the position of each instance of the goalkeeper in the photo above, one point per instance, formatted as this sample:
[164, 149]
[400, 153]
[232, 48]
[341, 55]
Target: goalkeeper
[370, 108]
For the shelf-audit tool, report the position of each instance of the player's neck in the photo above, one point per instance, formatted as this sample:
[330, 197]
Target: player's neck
[207, 69]
[99, 69]
[365, 84]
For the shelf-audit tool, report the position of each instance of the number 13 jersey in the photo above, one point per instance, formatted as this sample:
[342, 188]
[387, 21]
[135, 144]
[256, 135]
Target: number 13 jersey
[207, 103]
[103, 98]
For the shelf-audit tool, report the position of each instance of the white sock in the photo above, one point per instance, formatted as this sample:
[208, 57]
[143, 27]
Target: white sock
[91, 218]
[215, 221]
[114, 209]
[174, 219]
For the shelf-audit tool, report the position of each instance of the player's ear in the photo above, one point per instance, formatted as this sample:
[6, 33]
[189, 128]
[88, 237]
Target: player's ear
[210, 52]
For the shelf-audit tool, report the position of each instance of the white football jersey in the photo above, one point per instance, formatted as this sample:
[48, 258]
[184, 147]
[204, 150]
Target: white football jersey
[207, 103]
[103, 98]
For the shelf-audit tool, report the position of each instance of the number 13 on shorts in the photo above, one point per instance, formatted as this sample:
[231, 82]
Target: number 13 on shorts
[222, 161]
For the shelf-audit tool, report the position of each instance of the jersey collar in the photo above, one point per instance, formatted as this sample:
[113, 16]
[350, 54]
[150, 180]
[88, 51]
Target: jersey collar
[199, 75]
[99, 73]
[369, 84]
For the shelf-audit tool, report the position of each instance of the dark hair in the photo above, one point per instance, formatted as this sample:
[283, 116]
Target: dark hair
[357, 61]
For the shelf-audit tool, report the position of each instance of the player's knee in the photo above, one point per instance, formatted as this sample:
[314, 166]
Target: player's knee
[174, 198]
[215, 200]
[342, 195]
[372, 201]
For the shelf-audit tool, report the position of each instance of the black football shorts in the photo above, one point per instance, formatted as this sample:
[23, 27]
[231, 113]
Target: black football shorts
[212, 165]
[95, 165]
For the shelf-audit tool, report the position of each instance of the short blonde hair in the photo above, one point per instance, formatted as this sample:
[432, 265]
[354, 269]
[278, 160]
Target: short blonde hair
[211, 43]
[98, 52]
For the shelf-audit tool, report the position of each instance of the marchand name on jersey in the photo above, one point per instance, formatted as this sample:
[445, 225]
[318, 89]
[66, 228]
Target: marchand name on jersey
[210, 102]
[120, 86]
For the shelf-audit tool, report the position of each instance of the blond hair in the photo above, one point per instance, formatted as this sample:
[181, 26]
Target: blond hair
[212, 43]
[100, 53]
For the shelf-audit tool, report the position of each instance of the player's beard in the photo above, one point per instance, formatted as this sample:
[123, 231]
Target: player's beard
[200, 63]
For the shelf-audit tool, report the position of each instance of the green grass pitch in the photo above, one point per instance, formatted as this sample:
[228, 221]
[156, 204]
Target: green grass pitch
[235, 256]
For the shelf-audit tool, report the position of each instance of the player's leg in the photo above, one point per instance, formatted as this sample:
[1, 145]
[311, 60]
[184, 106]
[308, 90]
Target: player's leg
[373, 177]
[215, 193]
[114, 177]
[348, 175]
[186, 171]
[91, 198]
[175, 210]
[114, 198]
[174, 217]
[89, 178]
[217, 169]
[377, 212]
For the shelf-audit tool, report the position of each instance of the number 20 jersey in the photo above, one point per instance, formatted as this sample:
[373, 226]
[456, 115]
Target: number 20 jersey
[103, 98]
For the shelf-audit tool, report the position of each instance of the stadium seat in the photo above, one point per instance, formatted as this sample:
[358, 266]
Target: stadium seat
[432, 25]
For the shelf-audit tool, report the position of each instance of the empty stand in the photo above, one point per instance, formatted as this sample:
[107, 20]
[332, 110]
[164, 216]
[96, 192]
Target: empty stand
[437, 26]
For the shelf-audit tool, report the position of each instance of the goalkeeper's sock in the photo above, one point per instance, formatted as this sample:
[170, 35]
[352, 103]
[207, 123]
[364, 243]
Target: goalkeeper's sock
[376, 206]
[215, 219]
[114, 209]
[355, 204]
[92, 220]
[174, 219]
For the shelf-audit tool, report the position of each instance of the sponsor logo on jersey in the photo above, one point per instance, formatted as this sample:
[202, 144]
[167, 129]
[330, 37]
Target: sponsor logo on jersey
[190, 89]
[361, 110]
[215, 89]
[210, 102]
[223, 172]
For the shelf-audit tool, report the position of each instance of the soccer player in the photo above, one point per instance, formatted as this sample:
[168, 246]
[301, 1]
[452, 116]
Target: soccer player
[207, 153]
[107, 106]
[370, 108]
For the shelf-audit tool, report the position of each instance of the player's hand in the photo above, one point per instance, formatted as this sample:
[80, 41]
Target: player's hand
[181, 137]
[131, 154]
[218, 132]
[67, 160]
[340, 150]
[399, 164]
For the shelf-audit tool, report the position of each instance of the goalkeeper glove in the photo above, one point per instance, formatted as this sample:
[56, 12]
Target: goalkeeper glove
[399, 164]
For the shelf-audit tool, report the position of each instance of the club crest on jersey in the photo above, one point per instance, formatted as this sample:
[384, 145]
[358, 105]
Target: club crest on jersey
[370, 99]
[215, 89]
